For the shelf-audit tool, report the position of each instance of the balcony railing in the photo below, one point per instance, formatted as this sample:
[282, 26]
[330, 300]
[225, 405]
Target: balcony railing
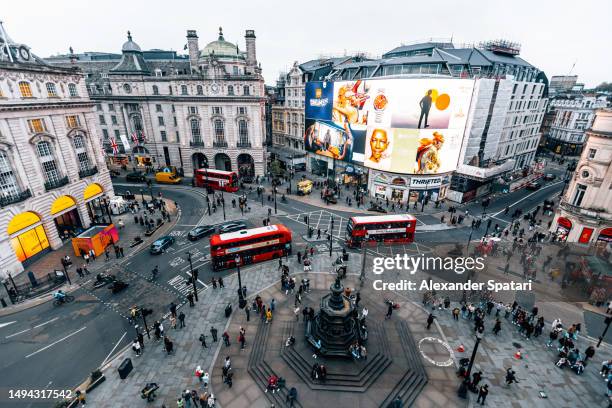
[196, 143]
[220, 144]
[88, 172]
[243, 145]
[50, 185]
[15, 198]
[593, 213]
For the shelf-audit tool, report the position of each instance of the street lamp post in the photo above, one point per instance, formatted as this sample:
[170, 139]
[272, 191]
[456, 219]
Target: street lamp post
[241, 300]
[330, 244]
[275, 209]
[144, 313]
[607, 321]
[363, 257]
[142, 194]
[65, 273]
[223, 204]
[469, 240]
[194, 276]
[469, 369]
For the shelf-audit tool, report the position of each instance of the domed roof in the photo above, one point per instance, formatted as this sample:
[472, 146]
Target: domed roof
[130, 45]
[221, 48]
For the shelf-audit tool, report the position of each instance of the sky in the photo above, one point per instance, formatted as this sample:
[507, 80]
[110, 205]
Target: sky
[559, 37]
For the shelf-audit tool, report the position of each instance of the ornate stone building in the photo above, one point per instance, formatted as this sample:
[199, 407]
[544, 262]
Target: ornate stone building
[206, 109]
[52, 170]
[585, 211]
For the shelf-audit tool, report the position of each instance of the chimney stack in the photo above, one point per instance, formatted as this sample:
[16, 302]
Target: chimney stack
[251, 57]
[194, 50]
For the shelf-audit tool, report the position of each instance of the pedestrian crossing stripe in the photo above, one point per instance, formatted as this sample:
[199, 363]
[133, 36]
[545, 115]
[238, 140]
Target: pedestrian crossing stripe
[322, 220]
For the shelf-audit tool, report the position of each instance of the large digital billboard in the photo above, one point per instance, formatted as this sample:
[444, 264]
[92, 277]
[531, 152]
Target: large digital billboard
[412, 125]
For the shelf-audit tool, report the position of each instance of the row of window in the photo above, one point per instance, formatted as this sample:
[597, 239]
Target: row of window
[9, 187]
[219, 132]
[25, 89]
[231, 90]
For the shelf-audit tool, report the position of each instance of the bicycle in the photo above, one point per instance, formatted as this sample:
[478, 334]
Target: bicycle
[66, 299]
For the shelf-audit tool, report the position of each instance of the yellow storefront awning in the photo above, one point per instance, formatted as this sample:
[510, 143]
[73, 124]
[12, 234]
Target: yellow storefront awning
[22, 221]
[62, 203]
[91, 191]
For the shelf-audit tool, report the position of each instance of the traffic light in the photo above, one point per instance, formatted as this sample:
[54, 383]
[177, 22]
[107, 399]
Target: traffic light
[306, 219]
[147, 312]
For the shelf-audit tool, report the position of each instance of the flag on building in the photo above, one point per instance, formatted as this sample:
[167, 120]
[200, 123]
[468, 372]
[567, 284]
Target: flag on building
[114, 145]
[135, 138]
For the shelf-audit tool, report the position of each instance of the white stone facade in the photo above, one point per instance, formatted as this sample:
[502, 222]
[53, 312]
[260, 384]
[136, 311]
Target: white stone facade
[585, 211]
[44, 108]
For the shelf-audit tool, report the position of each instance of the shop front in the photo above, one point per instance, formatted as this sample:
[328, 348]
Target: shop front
[409, 189]
[93, 197]
[66, 217]
[28, 237]
[564, 226]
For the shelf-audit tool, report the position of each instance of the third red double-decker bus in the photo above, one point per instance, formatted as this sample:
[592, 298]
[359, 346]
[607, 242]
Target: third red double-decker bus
[217, 179]
[380, 228]
[251, 245]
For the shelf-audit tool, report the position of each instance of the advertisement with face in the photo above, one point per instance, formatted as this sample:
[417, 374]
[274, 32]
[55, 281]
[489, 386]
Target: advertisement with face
[330, 140]
[411, 125]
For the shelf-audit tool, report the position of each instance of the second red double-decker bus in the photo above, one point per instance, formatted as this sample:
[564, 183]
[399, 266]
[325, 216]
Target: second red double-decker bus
[250, 245]
[380, 228]
[217, 179]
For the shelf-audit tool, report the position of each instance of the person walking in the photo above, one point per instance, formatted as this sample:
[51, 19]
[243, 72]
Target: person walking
[456, 314]
[299, 257]
[497, 327]
[199, 373]
[92, 254]
[430, 320]
[268, 316]
[389, 310]
[221, 283]
[226, 339]
[173, 309]
[81, 397]
[241, 339]
[482, 394]
[157, 330]
[190, 299]
[272, 305]
[202, 339]
[181, 318]
[173, 322]
[106, 255]
[214, 283]
[140, 339]
[213, 333]
[168, 345]
[589, 353]
[247, 311]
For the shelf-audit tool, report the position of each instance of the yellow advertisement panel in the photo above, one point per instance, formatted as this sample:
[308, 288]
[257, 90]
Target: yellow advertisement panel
[21, 221]
[30, 243]
[62, 203]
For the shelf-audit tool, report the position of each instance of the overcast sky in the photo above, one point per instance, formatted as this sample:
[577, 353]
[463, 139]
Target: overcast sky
[554, 34]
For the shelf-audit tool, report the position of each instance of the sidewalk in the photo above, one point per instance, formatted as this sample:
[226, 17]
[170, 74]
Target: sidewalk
[52, 260]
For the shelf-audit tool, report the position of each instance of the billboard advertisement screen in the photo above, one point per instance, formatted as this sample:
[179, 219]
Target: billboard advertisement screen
[412, 126]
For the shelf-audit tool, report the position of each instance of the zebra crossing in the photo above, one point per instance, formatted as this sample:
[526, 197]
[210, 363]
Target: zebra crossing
[322, 219]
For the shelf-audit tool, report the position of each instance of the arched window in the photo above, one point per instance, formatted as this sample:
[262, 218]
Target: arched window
[247, 90]
[195, 131]
[127, 88]
[48, 163]
[72, 90]
[8, 182]
[200, 90]
[243, 133]
[25, 90]
[81, 151]
[219, 132]
[155, 90]
[230, 90]
[51, 91]
[183, 89]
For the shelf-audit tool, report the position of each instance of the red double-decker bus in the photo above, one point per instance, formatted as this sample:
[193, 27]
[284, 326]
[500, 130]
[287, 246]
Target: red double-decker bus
[251, 245]
[380, 228]
[217, 179]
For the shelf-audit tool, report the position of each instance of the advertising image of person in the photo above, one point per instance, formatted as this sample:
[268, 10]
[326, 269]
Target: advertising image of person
[335, 143]
[349, 103]
[378, 150]
[425, 105]
[428, 154]
[310, 137]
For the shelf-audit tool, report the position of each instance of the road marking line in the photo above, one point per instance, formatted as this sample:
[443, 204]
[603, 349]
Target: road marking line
[7, 323]
[42, 324]
[15, 334]
[111, 352]
[55, 342]
[526, 197]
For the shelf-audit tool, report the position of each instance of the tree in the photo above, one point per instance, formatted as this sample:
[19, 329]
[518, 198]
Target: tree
[276, 169]
[604, 87]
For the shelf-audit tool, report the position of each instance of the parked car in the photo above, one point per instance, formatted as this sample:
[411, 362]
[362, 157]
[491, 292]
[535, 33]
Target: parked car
[135, 176]
[549, 177]
[232, 227]
[161, 244]
[377, 208]
[533, 186]
[200, 232]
